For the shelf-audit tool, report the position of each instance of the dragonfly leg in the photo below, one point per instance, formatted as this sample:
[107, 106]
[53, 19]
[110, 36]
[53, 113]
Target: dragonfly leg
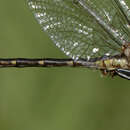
[111, 73]
[104, 72]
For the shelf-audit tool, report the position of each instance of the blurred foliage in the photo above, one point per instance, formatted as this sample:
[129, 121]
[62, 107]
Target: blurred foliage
[56, 98]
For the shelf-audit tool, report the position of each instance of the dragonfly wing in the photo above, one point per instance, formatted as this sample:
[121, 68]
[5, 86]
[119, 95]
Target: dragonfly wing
[75, 31]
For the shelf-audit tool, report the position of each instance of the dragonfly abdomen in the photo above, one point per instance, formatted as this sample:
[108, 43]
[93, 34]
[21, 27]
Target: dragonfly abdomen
[47, 62]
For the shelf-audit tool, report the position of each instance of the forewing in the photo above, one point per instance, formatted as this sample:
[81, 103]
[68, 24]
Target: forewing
[75, 31]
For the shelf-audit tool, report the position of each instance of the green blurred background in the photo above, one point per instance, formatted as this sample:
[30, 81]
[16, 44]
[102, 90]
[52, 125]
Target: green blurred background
[56, 98]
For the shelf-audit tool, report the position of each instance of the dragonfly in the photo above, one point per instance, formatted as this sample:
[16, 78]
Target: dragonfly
[93, 34]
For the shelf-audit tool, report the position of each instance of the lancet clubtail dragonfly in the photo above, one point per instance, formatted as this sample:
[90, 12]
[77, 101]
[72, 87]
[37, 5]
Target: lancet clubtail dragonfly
[93, 33]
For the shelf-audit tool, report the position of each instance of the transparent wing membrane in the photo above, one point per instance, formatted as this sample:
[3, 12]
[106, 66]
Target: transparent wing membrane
[77, 33]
